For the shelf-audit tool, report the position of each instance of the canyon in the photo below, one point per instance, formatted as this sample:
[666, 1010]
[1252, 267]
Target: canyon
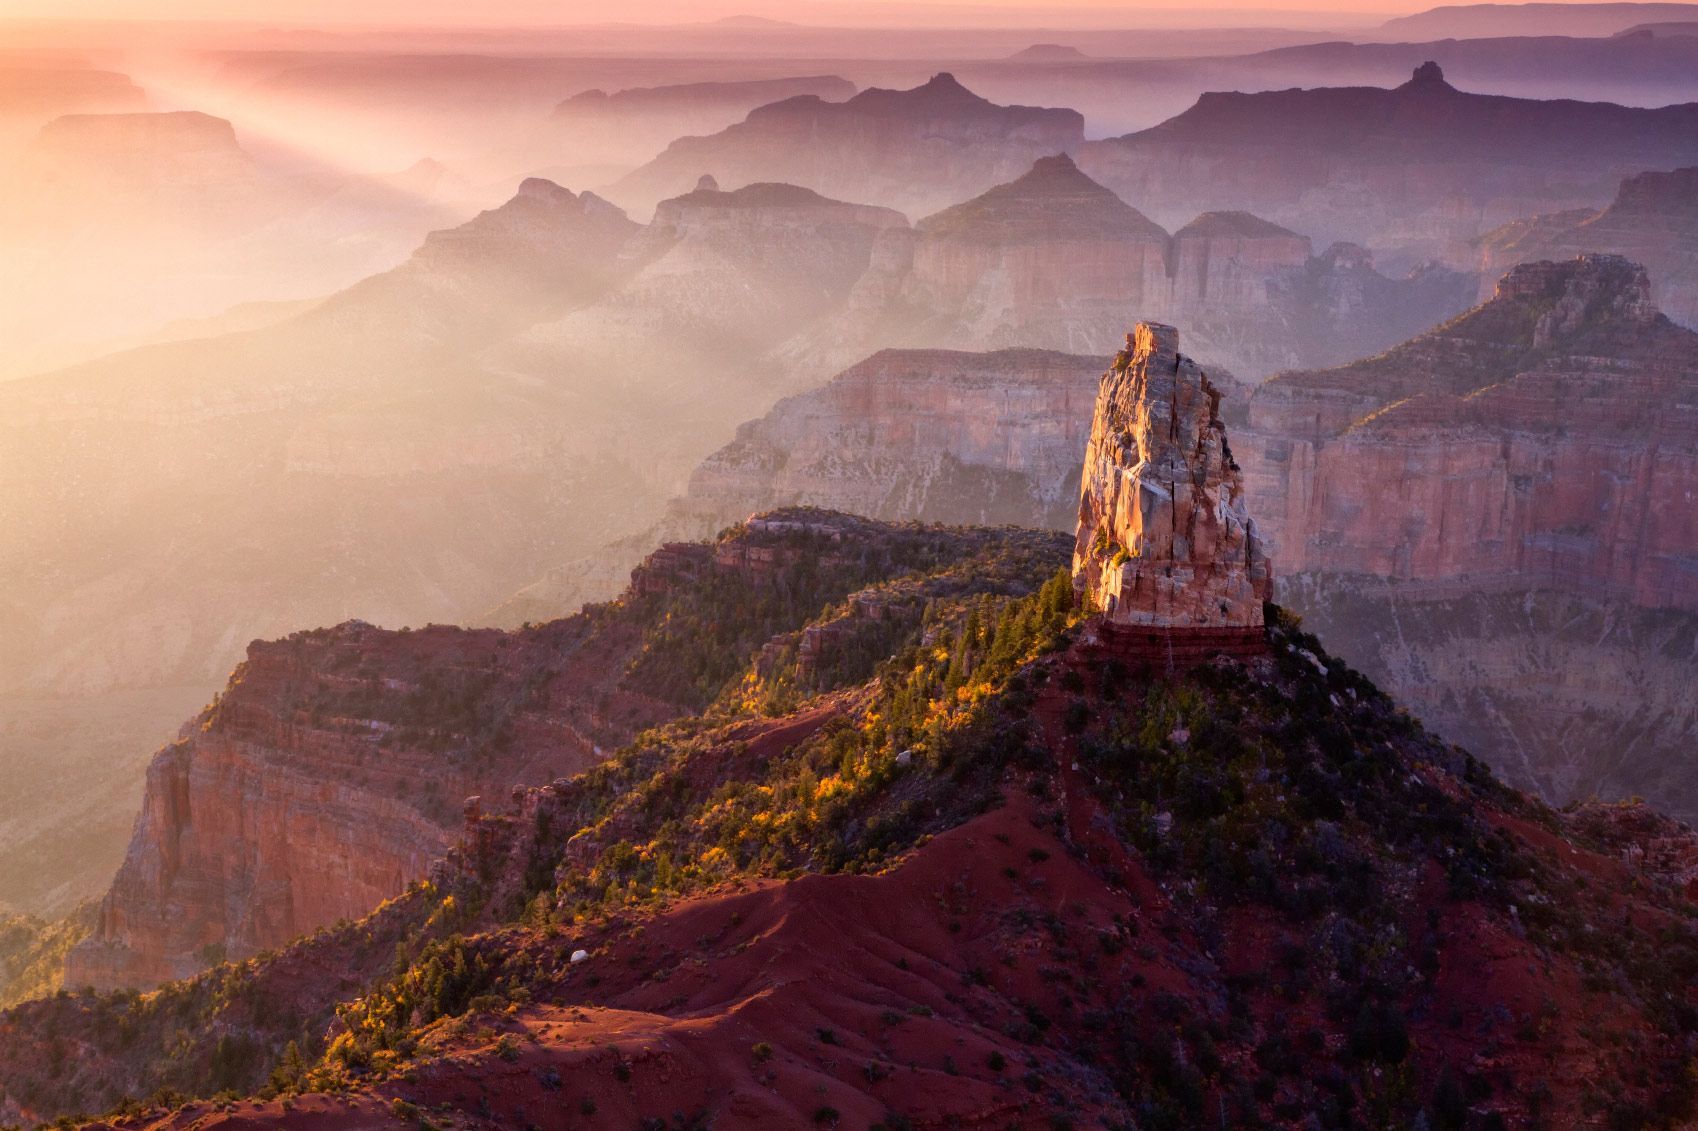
[736, 915]
[467, 664]
[1551, 427]
[528, 387]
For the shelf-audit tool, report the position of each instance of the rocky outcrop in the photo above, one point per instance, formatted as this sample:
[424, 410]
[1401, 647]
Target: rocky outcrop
[1652, 221]
[868, 148]
[1164, 540]
[1419, 170]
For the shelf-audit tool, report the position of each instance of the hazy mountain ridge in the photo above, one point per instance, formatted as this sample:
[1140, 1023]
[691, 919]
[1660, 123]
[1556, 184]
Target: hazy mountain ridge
[874, 142]
[1423, 167]
[98, 202]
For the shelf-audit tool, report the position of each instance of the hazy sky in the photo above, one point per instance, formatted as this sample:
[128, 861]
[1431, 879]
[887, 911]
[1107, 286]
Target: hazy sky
[557, 13]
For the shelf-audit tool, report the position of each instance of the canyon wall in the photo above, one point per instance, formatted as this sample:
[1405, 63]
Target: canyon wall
[1549, 438]
[333, 770]
[338, 763]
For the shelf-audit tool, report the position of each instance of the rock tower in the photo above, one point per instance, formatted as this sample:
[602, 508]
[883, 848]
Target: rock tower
[1165, 542]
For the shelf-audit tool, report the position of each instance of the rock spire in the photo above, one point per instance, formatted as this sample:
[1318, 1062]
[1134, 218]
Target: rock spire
[1164, 538]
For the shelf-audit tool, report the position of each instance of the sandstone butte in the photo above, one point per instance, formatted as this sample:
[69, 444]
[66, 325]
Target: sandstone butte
[1164, 539]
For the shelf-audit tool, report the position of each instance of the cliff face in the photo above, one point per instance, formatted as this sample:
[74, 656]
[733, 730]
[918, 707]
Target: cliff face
[1570, 696]
[868, 147]
[1421, 169]
[331, 772]
[868, 443]
[1163, 537]
[1652, 221]
[1535, 439]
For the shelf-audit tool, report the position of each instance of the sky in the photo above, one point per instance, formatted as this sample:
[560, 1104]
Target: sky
[568, 12]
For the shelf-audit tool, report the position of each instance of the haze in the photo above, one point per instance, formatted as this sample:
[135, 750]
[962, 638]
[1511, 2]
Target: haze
[375, 375]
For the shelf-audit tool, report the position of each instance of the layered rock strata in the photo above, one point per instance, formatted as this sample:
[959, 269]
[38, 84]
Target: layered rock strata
[1164, 539]
[1054, 259]
[1539, 440]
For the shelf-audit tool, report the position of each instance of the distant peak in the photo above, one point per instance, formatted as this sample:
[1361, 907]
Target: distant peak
[1243, 225]
[707, 183]
[1428, 76]
[1055, 173]
[540, 188]
[946, 84]
[597, 206]
[1052, 199]
[1049, 52]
